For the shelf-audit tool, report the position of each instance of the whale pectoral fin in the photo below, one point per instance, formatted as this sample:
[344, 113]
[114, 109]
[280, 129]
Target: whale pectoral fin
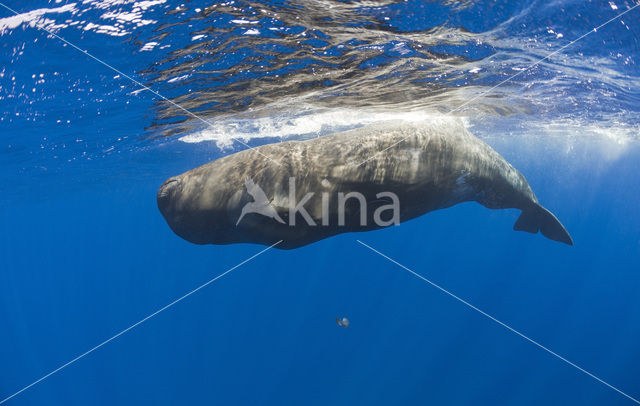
[540, 219]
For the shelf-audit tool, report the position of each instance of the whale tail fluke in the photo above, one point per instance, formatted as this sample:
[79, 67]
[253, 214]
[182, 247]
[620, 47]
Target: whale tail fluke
[537, 218]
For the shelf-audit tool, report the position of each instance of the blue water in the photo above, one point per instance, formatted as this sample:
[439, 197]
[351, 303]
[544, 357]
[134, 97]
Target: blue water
[84, 252]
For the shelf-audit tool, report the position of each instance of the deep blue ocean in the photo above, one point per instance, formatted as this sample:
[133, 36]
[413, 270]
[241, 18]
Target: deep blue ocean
[85, 253]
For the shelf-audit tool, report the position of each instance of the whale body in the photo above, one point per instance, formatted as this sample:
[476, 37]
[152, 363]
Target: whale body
[426, 165]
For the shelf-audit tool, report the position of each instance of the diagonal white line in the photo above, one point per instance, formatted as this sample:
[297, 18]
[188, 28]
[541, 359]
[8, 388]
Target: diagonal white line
[139, 322]
[510, 77]
[139, 84]
[499, 322]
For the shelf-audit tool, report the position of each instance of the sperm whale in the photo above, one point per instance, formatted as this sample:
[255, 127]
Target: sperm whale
[343, 183]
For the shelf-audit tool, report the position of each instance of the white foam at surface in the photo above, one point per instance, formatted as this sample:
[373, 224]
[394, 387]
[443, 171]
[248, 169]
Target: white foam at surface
[610, 136]
[177, 79]
[305, 125]
[149, 46]
[613, 136]
[125, 21]
[148, 3]
[244, 22]
[32, 17]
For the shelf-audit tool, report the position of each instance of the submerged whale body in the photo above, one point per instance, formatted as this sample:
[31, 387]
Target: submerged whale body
[410, 169]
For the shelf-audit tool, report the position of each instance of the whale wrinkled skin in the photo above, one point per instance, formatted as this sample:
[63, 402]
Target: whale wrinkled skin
[429, 165]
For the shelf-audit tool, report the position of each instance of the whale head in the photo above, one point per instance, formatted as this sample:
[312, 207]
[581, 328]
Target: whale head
[180, 201]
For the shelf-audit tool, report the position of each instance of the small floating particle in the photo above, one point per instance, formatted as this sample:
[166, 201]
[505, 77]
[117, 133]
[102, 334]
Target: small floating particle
[342, 322]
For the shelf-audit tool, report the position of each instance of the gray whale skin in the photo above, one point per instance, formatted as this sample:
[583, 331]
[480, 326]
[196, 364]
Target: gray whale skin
[438, 165]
